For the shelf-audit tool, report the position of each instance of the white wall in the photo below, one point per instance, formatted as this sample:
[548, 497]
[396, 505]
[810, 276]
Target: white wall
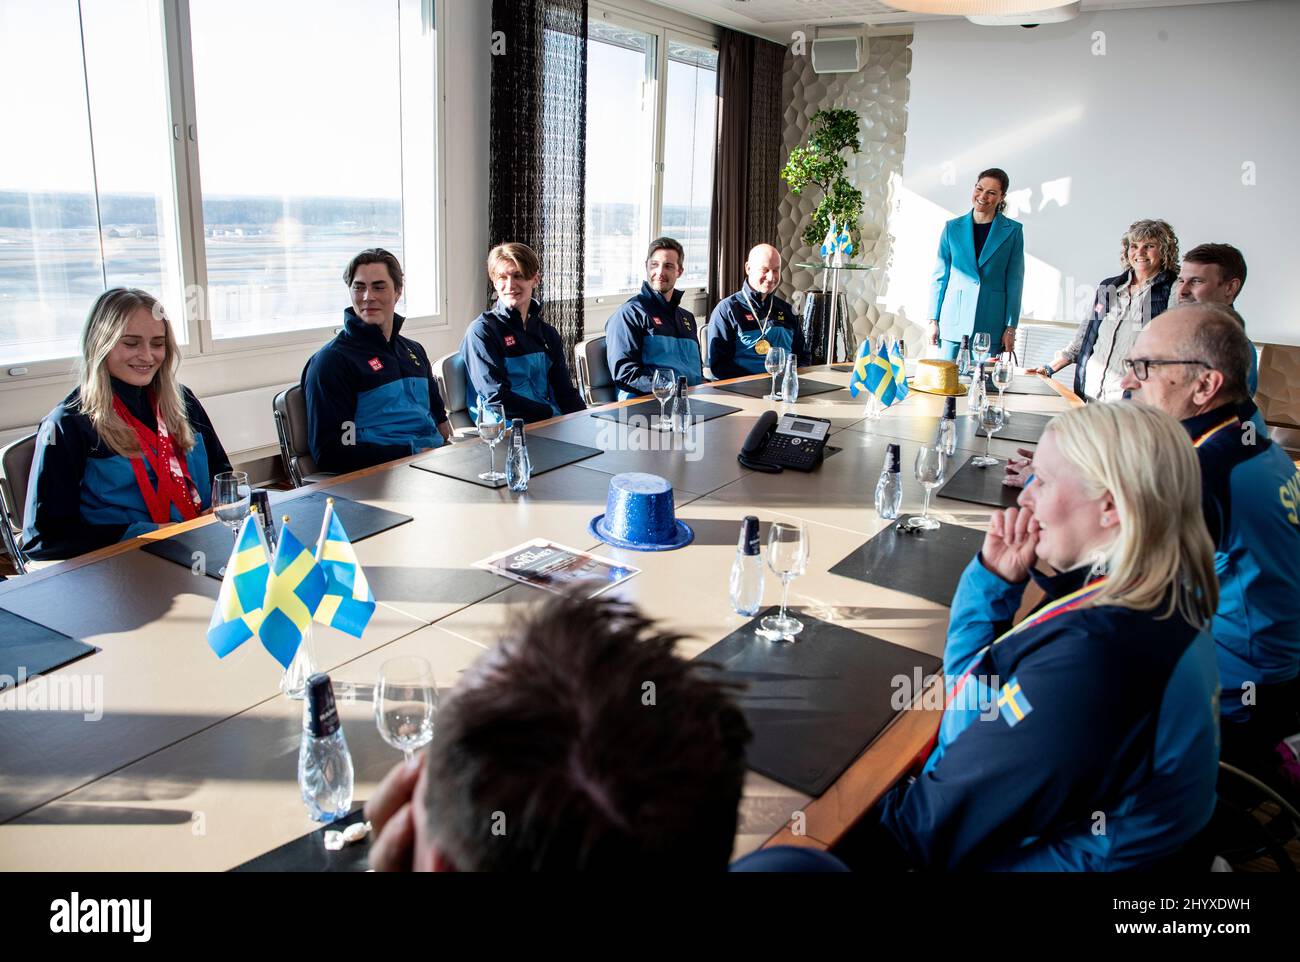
[1158, 126]
[232, 383]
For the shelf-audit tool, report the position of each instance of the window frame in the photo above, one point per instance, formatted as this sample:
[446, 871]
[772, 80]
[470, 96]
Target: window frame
[664, 33]
[188, 196]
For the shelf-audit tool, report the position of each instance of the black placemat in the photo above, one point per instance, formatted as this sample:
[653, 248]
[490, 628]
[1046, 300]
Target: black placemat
[33, 648]
[1025, 384]
[465, 462]
[980, 486]
[816, 702]
[308, 853]
[648, 411]
[807, 388]
[305, 516]
[927, 564]
[1021, 426]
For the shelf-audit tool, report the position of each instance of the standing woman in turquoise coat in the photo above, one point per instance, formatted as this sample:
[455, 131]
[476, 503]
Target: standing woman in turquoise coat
[980, 273]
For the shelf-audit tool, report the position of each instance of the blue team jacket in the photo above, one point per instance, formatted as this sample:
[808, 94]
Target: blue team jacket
[734, 329]
[518, 362]
[1087, 742]
[1252, 508]
[649, 332]
[385, 389]
[82, 495]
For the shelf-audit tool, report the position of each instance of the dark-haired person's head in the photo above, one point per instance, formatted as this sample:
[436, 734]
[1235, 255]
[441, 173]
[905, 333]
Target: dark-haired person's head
[1191, 359]
[374, 279]
[1211, 274]
[664, 262]
[990, 195]
[583, 742]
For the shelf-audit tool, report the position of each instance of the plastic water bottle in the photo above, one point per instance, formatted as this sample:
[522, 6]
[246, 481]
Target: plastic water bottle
[681, 413]
[948, 427]
[889, 489]
[790, 383]
[747, 570]
[976, 394]
[519, 467]
[963, 356]
[324, 762]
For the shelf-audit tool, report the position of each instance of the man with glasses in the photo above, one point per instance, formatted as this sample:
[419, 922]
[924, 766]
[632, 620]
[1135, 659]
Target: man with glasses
[1191, 362]
[652, 330]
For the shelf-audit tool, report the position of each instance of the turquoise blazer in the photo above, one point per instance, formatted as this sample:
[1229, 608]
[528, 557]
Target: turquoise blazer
[970, 298]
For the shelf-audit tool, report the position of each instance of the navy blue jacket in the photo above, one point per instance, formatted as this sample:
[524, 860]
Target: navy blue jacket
[649, 332]
[518, 362]
[82, 495]
[384, 389]
[1085, 742]
[734, 329]
[1158, 302]
[1252, 508]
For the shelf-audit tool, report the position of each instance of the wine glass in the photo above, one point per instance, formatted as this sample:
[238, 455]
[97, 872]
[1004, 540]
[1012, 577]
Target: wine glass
[787, 556]
[1002, 374]
[992, 418]
[665, 382]
[231, 497]
[406, 699]
[982, 342]
[774, 363]
[931, 469]
[491, 428]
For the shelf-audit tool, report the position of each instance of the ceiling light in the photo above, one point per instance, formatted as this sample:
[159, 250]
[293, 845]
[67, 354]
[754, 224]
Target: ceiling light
[977, 8]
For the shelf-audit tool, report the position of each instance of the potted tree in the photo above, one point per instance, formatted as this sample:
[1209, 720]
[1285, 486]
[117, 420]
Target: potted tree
[820, 163]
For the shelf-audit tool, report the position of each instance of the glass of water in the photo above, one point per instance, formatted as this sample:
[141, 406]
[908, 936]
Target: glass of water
[1003, 371]
[665, 383]
[774, 362]
[491, 428]
[982, 342]
[992, 417]
[231, 497]
[406, 701]
[931, 470]
[787, 556]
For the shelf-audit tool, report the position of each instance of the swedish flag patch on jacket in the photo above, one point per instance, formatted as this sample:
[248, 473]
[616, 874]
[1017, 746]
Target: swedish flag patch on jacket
[1012, 703]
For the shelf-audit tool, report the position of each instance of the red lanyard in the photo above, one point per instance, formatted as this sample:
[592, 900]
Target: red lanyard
[175, 486]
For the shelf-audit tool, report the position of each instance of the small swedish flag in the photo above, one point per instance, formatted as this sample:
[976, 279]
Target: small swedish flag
[1012, 703]
[238, 613]
[293, 593]
[896, 363]
[348, 603]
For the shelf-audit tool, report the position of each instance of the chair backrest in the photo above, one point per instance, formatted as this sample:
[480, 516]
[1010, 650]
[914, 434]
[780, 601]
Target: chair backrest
[1279, 374]
[290, 409]
[595, 382]
[454, 385]
[15, 474]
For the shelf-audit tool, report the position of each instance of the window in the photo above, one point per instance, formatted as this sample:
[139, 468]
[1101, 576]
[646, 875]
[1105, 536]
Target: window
[231, 171]
[649, 150]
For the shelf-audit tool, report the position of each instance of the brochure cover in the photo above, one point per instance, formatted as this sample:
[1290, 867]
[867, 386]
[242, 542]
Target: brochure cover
[553, 567]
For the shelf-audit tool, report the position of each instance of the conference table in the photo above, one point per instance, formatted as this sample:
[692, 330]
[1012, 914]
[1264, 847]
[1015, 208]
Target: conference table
[187, 762]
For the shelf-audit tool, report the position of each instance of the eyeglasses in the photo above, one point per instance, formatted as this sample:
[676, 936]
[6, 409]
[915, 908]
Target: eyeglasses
[1141, 366]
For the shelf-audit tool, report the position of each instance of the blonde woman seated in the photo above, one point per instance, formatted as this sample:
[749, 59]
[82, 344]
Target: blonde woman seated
[1083, 738]
[130, 449]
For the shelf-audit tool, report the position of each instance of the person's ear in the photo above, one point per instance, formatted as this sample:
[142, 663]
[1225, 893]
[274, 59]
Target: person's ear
[1234, 288]
[1109, 516]
[1207, 386]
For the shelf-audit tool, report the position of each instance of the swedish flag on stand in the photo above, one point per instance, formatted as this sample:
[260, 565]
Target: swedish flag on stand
[348, 602]
[293, 593]
[896, 362]
[875, 372]
[238, 613]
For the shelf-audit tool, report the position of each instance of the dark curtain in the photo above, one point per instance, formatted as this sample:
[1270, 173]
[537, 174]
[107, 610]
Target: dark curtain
[747, 156]
[539, 146]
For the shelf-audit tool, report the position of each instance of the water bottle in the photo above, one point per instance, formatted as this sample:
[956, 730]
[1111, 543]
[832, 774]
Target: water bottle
[519, 467]
[963, 356]
[889, 489]
[681, 414]
[324, 762]
[747, 570]
[976, 394]
[790, 383]
[948, 427]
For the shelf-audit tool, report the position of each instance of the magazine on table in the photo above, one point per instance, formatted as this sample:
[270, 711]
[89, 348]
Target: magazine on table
[556, 568]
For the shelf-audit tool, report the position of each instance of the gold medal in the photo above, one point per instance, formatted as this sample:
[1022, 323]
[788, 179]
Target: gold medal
[761, 347]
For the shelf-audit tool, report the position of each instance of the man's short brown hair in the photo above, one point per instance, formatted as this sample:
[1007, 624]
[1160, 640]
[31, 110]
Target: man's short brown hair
[666, 244]
[523, 257]
[375, 255]
[1232, 266]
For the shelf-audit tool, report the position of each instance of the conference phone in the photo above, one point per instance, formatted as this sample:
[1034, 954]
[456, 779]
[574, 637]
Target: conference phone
[792, 441]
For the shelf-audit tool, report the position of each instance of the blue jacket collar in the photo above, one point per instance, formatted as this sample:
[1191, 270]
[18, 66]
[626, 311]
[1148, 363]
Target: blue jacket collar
[758, 299]
[650, 297]
[369, 333]
[499, 309]
[1200, 423]
[1063, 582]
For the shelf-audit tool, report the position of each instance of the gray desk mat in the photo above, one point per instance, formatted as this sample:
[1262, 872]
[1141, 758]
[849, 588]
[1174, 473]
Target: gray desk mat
[465, 462]
[978, 485]
[927, 564]
[648, 411]
[28, 649]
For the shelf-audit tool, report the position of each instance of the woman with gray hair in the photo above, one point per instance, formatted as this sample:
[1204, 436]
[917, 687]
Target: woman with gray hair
[1124, 305]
